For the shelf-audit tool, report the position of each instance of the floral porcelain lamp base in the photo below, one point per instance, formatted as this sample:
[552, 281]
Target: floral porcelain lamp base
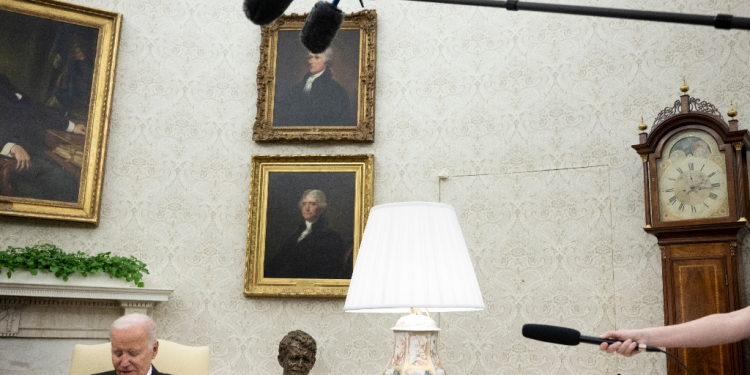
[415, 350]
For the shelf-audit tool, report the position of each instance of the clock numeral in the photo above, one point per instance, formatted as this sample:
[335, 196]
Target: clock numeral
[682, 207]
[691, 166]
[692, 208]
[679, 170]
[711, 175]
[706, 205]
[715, 185]
[672, 200]
[669, 190]
[713, 196]
[704, 166]
[671, 179]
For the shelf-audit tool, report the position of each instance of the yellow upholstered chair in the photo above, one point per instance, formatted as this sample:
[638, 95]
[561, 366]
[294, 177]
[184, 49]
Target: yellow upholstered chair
[173, 358]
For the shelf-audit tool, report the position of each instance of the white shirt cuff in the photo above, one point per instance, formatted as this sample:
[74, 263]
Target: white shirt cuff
[71, 125]
[6, 149]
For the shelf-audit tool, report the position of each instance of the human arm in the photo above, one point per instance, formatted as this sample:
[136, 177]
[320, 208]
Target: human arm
[12, 150]
[710, 330]
[79, 129]
[23, 160]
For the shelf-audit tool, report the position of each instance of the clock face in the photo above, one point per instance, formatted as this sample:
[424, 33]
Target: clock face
[692, 178]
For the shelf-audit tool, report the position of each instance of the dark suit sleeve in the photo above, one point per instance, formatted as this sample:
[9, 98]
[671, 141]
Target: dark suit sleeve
[23, 121]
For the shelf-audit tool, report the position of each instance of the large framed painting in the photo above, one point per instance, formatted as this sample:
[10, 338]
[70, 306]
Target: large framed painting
[307, 216]
[57, 71]
[326, 97]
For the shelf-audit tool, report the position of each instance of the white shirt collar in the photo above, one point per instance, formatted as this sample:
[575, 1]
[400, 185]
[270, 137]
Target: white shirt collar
[150, 369]
[318, 74]
[308, 229]
[308, 84]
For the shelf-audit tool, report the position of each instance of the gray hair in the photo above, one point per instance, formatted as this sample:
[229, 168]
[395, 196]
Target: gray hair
[328, 53]
[133, 320]
[317, 194]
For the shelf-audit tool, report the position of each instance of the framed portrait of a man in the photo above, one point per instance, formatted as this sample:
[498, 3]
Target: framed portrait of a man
[323, 97]
[57, 65]
[306, 219]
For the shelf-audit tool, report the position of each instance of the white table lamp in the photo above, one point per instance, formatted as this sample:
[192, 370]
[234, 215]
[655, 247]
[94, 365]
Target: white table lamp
[413, 258]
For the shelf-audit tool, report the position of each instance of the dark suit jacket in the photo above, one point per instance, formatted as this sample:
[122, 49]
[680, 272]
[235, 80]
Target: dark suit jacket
[154, 372]
[326, 104]
[23, 121]
[320, 255]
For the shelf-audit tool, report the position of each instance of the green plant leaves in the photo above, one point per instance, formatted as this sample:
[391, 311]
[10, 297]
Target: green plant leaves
[50, 258]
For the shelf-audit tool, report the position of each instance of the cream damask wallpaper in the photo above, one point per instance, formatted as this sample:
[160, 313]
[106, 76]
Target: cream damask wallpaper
[531, 116]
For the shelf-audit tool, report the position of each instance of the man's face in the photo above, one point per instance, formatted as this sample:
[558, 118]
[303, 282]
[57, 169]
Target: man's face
[310, 209]
[131, 354]
[298, 361]
[317, 62]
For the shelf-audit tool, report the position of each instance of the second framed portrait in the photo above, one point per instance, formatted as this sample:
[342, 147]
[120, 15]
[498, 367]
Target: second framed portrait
[57, 71]
[306, 219]
[323, 97]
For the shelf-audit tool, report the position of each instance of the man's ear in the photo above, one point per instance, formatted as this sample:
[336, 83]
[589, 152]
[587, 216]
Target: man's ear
[155, 349]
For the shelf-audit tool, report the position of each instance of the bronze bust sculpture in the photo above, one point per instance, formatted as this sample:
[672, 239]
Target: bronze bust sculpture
[297, 353]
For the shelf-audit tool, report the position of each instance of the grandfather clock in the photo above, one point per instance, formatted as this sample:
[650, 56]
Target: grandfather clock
[696, 196]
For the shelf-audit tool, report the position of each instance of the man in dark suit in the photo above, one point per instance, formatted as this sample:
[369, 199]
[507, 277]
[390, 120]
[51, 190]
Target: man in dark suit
[317, 100]
[313, 251]
[134, 346]
[23, 125]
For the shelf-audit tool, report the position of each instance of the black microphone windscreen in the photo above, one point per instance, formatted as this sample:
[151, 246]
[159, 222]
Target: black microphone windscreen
[551, 334]
[321, 26]
[263, 12]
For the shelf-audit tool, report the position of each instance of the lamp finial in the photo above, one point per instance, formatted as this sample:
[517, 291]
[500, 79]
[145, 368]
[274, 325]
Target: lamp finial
[642, 126]
[732, 112]
[684, 88]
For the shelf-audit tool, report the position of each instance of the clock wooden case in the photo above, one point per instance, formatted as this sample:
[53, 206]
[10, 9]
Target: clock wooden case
[696, 200]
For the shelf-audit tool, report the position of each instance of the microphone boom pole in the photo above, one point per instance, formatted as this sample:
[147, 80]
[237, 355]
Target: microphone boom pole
[720, 21]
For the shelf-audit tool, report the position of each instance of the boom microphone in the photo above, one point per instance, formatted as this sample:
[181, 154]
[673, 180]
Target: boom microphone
[263, 12]
[568, 336]
[321, 26]
[720, 21]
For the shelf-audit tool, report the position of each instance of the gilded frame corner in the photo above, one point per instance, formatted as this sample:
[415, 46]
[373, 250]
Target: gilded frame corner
[264, 130]
[107, 25]
[270, 170]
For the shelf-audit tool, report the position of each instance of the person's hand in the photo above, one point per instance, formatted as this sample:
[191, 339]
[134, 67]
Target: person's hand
[23, 160]
[626, 346]
[79, 129]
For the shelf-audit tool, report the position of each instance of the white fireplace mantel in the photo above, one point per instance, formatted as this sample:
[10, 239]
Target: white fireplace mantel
[35, 307]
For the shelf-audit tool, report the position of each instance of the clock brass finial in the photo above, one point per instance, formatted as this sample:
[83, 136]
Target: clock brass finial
[684, 88]
[732, 113]
[642, 127]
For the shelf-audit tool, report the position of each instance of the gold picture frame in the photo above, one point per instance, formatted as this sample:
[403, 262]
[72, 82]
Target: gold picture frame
[285, 256]
[58, 126]
[283, 117]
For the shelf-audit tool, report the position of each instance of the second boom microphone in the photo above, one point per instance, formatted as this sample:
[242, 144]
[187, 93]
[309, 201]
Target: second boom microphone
[569, 336]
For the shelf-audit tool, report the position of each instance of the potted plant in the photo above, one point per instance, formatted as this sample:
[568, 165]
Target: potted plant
[50, 258]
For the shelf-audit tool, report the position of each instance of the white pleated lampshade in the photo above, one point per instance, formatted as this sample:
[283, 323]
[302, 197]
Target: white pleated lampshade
[413, 255]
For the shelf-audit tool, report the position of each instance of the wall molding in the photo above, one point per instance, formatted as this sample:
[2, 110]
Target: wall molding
[70, 311]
